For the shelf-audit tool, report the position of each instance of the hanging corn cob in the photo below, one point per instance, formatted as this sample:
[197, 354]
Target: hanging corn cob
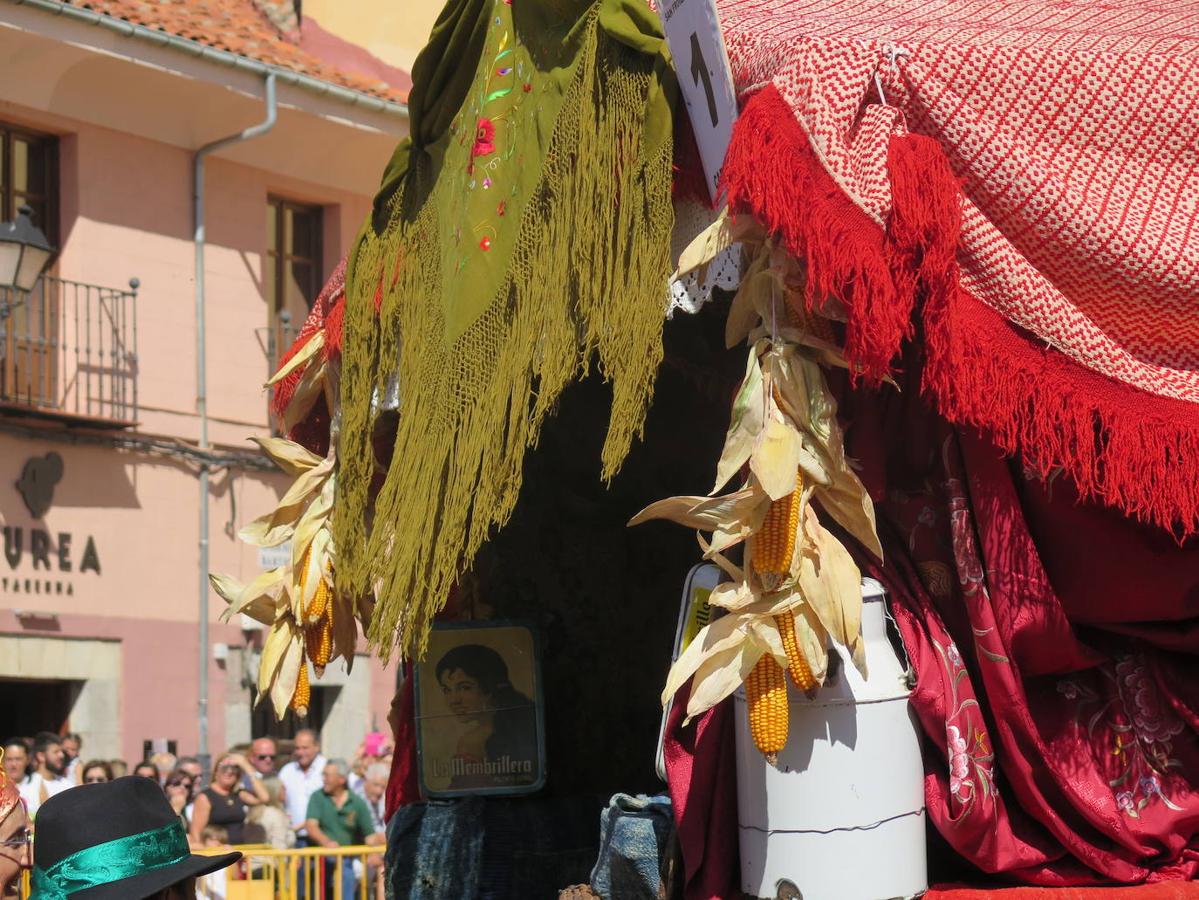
[774, 543]
[797, 662]
[766, 705]
[798, 586]
[303, 693]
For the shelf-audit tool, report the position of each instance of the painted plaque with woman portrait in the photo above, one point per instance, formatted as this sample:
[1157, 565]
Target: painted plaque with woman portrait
[479, 723]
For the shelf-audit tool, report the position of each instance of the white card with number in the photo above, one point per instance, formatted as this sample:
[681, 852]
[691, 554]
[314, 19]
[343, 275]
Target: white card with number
[702, 64]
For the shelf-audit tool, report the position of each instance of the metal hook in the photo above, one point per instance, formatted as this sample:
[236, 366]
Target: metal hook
[891, 55]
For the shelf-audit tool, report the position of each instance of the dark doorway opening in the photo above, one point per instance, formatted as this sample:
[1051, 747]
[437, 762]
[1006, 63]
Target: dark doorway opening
[264, 724]
[28, 706]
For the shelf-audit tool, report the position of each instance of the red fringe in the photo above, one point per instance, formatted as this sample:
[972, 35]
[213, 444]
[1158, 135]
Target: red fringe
[1127, 448]
[1130, 449]
[772, 171]
[335, 327]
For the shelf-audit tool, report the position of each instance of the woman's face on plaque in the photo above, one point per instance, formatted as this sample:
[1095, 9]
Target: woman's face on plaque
[463, 694]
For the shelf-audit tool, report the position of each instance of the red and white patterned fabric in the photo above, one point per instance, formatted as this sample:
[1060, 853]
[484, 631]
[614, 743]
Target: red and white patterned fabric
[1072, 129]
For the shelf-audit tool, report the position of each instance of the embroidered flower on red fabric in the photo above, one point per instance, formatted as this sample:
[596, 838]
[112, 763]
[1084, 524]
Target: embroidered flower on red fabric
[485, 244]
[484, 138]
[1154, 719]
[959, 763]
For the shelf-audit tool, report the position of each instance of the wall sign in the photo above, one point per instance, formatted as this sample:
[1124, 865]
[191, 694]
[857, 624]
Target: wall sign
[702, 64]
[33, 554]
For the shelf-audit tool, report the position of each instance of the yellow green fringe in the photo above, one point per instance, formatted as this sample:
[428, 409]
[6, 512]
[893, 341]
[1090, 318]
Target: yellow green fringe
[588, 275]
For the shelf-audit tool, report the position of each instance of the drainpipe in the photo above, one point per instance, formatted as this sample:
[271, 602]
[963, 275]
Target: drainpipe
[202, 389]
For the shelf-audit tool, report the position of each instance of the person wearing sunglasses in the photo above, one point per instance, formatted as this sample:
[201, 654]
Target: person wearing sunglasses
[262, 756]
[224, 801]
[96, 772]
[15, 836]
[116, 841]
[178, 789]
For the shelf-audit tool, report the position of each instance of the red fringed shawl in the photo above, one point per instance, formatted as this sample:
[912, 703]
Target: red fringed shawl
[1030, 189]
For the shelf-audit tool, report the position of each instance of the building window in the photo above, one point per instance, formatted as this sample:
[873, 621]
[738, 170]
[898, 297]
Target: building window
[29, 326]
[29, 175]
[293, 275]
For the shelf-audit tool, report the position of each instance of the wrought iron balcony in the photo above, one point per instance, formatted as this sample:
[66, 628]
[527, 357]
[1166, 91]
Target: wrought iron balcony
[69, 349]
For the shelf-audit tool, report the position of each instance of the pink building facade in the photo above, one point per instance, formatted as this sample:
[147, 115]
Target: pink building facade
[99, 496]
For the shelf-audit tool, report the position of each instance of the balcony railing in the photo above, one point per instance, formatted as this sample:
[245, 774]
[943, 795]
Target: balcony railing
[68, 348]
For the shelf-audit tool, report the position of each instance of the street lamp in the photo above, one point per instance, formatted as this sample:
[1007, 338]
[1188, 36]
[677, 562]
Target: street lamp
[24, 252]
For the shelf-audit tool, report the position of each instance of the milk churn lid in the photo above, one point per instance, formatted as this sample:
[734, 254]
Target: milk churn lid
[872, 591]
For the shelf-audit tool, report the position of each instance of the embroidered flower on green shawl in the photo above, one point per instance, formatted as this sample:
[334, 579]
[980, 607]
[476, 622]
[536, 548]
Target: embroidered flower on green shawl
[484, 138]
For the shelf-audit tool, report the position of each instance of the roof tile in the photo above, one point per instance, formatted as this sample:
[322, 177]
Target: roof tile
[237, 26]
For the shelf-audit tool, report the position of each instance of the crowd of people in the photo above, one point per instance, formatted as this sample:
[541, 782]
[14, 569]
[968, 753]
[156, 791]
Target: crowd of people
[254, 796]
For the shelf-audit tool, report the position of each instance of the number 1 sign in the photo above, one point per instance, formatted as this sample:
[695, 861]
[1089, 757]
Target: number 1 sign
[702, 63]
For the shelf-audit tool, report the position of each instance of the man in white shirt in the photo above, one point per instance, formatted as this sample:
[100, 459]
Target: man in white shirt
[302, 777]
[50, 776]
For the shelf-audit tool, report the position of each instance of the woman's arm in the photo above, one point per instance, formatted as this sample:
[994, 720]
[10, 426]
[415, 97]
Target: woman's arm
[252, 797]
[201, 809]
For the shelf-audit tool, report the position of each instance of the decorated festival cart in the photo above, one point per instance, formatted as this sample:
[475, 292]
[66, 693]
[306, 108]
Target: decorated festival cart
[940, 328]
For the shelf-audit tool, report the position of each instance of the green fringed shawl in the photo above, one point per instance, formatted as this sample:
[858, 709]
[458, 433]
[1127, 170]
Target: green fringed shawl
[522, 229]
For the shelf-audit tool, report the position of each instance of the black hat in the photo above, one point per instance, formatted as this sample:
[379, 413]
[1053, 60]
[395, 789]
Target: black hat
[115, 841]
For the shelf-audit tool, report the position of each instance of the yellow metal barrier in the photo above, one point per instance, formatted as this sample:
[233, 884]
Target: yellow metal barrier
[313, 873]
[268, 874]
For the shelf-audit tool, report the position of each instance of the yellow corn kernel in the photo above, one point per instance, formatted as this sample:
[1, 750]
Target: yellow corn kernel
[774, 543]
[766, 701]
[303, 694]
[797, 663]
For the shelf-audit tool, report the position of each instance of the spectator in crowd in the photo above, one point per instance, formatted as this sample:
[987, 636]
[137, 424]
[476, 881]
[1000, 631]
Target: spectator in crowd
[267, 823]
[178, 789]
[373, 749]
[374, 790]
[302, 777]
[337, 817]
[119, 768]
[95, 772]
[262, 756]
[120, 841]
[16, 766]
[49, 776]
[356, 780]
[146, 769]
[194, 770]
[14, 831]
[16, 758]
[216, 885]
[164, 764]
[224, 801]
[72, 744]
